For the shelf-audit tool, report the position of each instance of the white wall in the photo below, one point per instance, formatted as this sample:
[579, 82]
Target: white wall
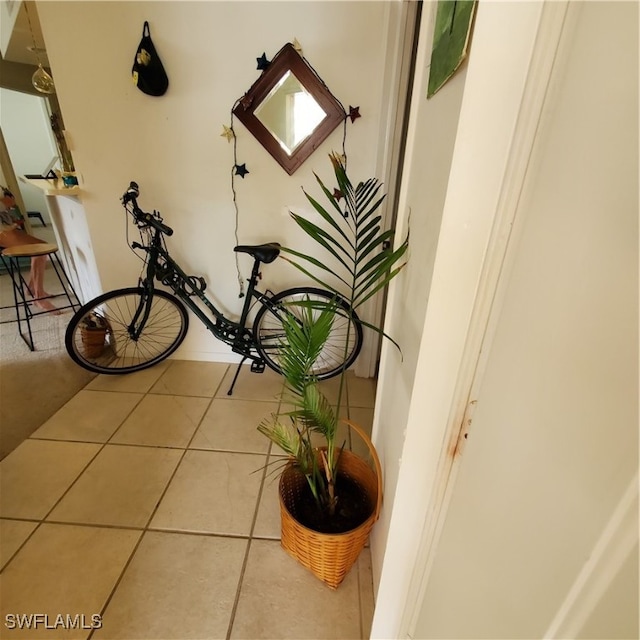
[27, 133]
[554, 441]
[172, 145]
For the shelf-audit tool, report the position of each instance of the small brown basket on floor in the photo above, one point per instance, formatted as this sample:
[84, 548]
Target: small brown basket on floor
[98, 340]
[330, 556]
[93, 341]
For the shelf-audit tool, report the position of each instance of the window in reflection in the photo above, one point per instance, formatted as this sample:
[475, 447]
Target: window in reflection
[308, 114]
[290, 113]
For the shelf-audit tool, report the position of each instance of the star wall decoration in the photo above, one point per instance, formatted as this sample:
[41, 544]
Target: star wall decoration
[227, 133]
[263, 63]
[241, 170]
[297, 46]
[337, 194]
[354, 112]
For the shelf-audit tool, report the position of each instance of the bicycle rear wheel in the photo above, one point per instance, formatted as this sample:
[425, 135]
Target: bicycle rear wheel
[269, 331]
[109, 347]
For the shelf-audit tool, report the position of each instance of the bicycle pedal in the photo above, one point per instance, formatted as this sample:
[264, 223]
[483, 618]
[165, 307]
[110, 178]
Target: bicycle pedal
[257, 366]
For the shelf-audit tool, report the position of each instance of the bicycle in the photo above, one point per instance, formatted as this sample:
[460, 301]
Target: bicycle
[138, 327]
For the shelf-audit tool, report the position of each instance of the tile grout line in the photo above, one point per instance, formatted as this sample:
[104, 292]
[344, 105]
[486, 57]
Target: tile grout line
[39, 522]
[17, 551]
[43, 520]
[234, 608]
[100, 449]
[142, 445]
[135, 548]
[360, 611]
[108, 442]
[125, 527]
[146, 529]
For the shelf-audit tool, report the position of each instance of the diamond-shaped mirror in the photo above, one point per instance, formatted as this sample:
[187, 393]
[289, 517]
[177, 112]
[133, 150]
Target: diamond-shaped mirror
[289, 110]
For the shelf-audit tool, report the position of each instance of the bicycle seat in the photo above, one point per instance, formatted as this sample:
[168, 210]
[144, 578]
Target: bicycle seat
[264, 252]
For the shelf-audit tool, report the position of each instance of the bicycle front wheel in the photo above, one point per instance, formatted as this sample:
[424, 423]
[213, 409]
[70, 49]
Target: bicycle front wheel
[98, 337]
[341, 348]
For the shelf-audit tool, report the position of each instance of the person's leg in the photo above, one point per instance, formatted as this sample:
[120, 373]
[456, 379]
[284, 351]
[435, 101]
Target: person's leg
[18, 237]
[36, 277]
[36, 283]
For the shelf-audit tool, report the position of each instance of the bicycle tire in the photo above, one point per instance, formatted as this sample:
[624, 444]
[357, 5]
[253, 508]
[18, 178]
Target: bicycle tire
[117, 352]
[268, 332]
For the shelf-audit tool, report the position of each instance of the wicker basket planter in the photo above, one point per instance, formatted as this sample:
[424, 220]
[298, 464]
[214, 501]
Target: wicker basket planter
[330, 556]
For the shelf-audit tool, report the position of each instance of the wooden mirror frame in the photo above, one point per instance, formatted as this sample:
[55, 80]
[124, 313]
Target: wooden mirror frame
[288, 59]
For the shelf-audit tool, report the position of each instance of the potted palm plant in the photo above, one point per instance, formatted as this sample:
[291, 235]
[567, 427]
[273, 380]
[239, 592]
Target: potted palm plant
[329, 497]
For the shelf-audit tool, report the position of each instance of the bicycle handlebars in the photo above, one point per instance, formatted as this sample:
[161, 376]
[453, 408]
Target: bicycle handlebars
[140, 216]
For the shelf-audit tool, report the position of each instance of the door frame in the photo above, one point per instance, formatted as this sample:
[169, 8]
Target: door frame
[486, 182]
[402, 20]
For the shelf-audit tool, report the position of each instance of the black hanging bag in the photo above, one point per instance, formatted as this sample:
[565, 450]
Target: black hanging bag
[148, 73]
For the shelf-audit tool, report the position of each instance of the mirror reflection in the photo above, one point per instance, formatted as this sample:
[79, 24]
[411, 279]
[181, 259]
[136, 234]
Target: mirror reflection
[290, 113]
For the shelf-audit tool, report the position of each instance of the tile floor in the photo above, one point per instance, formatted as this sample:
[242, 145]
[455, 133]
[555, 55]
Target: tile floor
[145, 500]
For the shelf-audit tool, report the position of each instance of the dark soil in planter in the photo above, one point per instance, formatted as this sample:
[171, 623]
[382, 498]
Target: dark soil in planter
[352, 510]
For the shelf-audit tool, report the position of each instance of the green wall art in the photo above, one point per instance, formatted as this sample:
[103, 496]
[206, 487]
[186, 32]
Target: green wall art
[450, 40]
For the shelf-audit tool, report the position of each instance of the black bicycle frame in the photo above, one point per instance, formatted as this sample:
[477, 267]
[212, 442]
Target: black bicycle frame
[161, 266]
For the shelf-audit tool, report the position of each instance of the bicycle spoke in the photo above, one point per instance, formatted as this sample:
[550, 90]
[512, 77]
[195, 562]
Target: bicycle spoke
[161, 333]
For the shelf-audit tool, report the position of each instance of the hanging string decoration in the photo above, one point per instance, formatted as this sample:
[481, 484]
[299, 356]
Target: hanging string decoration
[230, 135]
[240, 169]
[263, 63]
[227, 133]
[354, 113]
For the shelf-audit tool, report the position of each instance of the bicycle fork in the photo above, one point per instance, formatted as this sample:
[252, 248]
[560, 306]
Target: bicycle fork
[141, 315]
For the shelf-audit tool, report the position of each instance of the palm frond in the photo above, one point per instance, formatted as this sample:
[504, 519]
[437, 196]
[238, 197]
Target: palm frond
[328, 194]
[379, 275]
[368, 293]
[315, 278]
[363, 229]
[306, 333]
[323, 239]
[363, 206]
[317, 412]
[336, 224]
[363, 275]
[282, 435]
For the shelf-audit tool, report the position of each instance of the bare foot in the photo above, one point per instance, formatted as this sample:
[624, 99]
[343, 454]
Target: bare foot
[45, 305]
[44, 294]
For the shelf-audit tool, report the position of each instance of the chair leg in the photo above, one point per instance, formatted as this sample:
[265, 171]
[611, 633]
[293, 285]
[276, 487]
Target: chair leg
[19, 298]
[64, 278]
